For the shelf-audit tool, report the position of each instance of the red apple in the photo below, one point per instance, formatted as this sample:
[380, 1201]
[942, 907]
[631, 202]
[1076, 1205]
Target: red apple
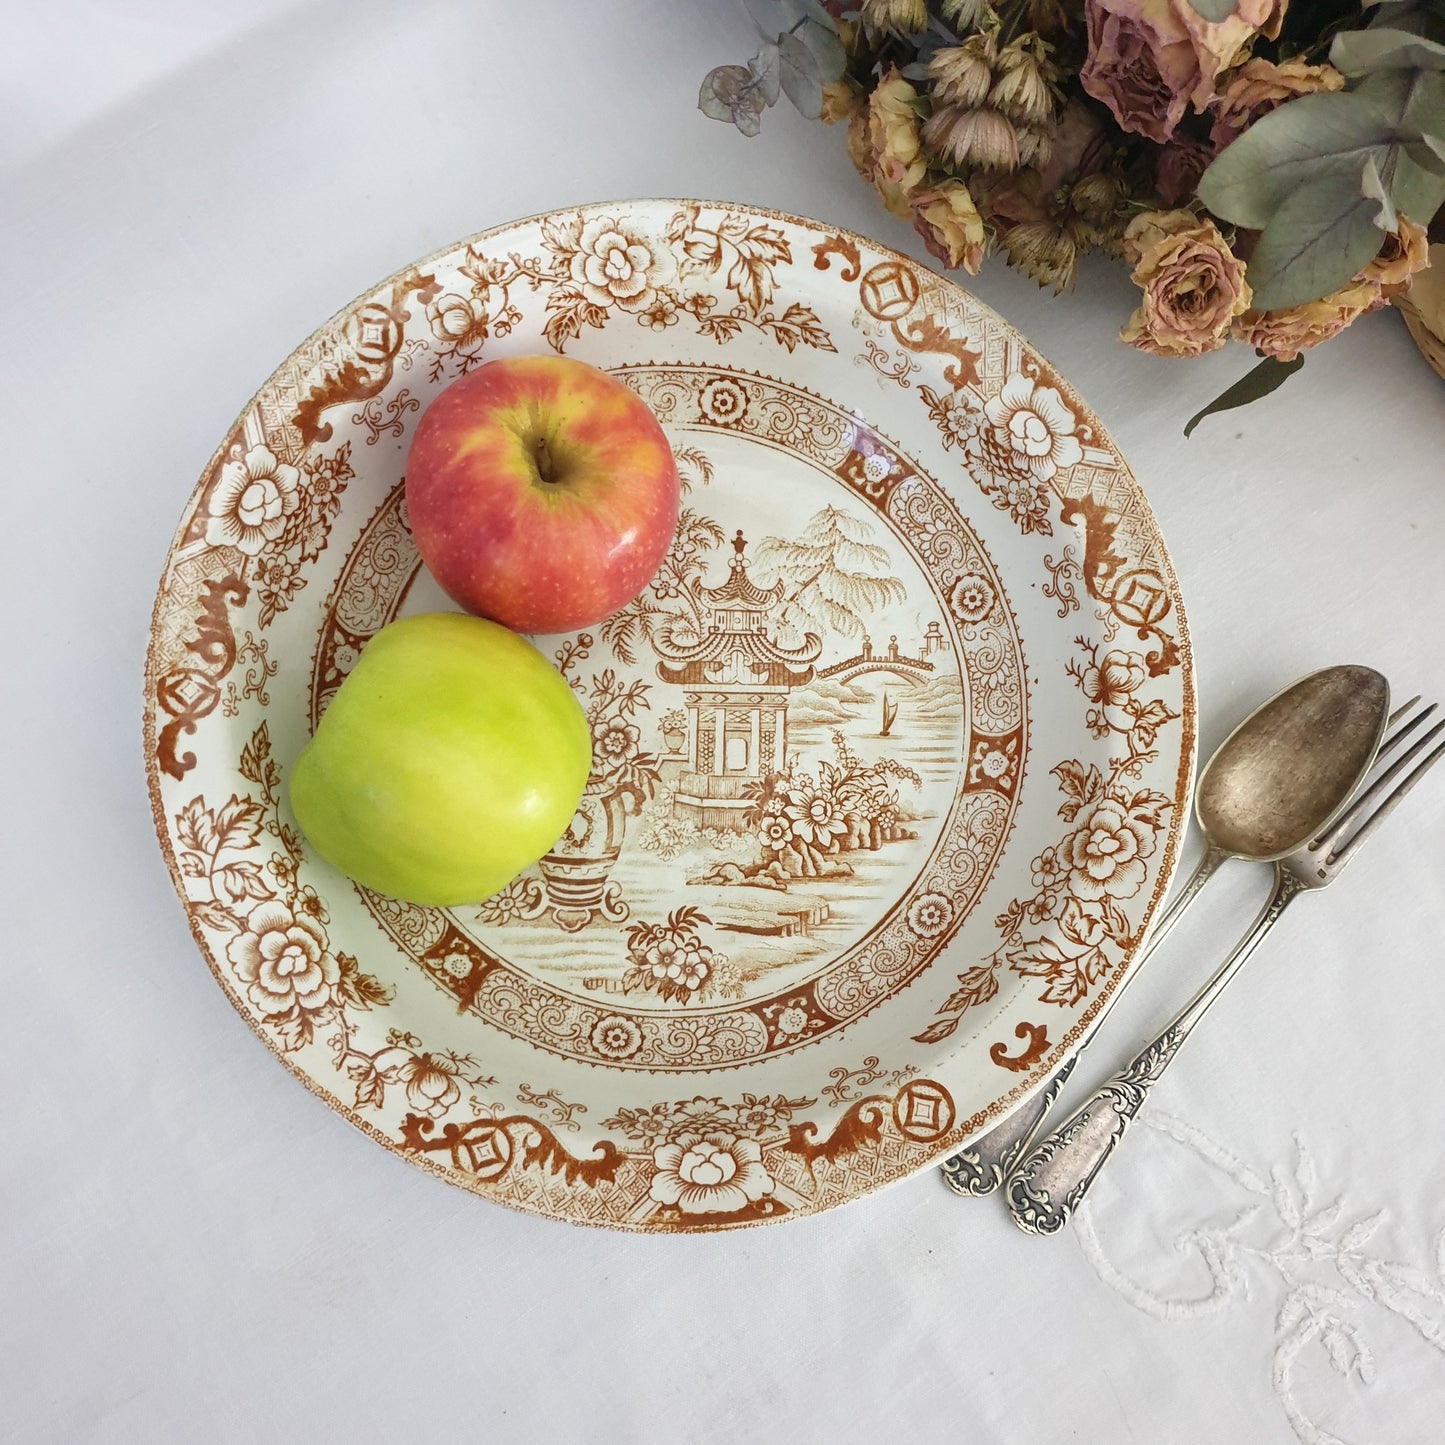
[542, 493]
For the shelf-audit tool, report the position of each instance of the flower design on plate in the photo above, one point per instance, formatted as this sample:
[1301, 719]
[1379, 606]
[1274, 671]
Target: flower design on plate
[712, 1173]
[614, 743]
[612, 265]
[775, 831]
[252, 501]
[671, 959]
[971, 598]
[660, 315]
[1049, 868]
[616, 1037]
[814, 817]
[1025, 501]
[722, 400]
[790, 1022]
[431, 1080]
[284, 961]
[1038, 426]
[457, 320]
[930, 914]
[1106, 852]
[1110, 682]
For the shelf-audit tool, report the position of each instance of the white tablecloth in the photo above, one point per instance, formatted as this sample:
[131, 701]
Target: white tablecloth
[193, 1248]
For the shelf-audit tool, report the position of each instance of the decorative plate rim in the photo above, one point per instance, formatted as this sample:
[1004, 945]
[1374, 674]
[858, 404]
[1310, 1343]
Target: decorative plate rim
[962, 1131]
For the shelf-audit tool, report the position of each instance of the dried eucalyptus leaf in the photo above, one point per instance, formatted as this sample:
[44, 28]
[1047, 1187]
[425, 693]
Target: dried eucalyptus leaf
[801, 81]
[1358, 52]
[1417, 190]
[1302, 140]
[1258, 381]
[1413, 101]
[1373, 188]
[720, 89]
[765, 70]
[825, 47]
[816, 11]
[1319, 236]
[732, 93]
[770, 16]
[1214, 10]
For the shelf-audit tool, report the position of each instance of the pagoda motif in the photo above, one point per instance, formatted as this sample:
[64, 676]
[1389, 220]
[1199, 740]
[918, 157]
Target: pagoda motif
[736, 678]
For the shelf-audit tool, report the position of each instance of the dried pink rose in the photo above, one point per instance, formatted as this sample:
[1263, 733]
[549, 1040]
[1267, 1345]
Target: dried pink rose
[1258, 86]
[1150, 59]
[1193, 285]
[1284, 334]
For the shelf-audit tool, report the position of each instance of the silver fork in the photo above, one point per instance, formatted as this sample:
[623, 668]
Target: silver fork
[1054, 1175]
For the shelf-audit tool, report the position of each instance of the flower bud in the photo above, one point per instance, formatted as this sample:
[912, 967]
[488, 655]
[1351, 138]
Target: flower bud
[907, 17]
[962, 75]
[964, 138]
[1041, 250]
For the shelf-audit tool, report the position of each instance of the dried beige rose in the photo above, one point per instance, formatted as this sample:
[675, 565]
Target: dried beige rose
[859, 151]
[841, 101]
[1423, 307]
[1405, 251]
[1193, 285]
[950, 225]
[1284, 334]
[1261, 85]
[897, 158]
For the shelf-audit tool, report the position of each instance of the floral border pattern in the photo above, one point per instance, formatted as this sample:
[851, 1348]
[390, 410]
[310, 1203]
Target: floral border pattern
[257, 532]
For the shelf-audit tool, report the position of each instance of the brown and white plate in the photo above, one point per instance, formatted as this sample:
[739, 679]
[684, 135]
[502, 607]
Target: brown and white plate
[891, 760]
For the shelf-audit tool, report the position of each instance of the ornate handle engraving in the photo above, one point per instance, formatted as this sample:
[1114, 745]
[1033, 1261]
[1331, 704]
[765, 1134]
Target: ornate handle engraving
[1047, 1186]
[984, 1165]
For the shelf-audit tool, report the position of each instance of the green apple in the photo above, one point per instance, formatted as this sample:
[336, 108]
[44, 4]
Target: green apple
[452, 757]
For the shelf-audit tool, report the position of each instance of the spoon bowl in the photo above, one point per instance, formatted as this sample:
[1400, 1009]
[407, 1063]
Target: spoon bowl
[1292, 764]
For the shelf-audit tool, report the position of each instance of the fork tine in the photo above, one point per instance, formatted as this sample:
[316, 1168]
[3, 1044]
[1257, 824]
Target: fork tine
[1395, 738]
[1339, 859]
[1342, 824]
[1402, 710]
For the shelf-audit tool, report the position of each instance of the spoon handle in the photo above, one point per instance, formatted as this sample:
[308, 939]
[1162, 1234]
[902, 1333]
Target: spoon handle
[985, 1164]
[1048, 1185]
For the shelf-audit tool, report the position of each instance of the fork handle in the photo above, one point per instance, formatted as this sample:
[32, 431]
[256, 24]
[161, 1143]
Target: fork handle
[980, 1168]
[1052, 1179]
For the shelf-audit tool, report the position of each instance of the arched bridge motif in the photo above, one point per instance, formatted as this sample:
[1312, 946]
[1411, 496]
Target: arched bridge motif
[910, 669]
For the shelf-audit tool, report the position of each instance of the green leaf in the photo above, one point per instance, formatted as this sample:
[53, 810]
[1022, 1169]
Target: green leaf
[770, 16]
[799, 72]
[1319, 237]
[1418, 191]
[1414, 103]
[822, 40]
[1358, 52]
[1214, 10]
[1294, 144]
[764, 68]
[1258, 381]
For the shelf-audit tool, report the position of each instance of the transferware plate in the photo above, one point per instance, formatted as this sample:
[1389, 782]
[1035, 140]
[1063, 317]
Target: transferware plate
[890, 760]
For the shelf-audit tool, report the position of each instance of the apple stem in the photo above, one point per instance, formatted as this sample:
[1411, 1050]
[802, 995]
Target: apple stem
[543, 455]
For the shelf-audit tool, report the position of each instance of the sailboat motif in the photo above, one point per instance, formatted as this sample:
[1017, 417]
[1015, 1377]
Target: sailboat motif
[890, 711]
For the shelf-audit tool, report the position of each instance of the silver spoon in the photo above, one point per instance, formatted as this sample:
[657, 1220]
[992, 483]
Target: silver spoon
[1270, 787]
[1052, 1179]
